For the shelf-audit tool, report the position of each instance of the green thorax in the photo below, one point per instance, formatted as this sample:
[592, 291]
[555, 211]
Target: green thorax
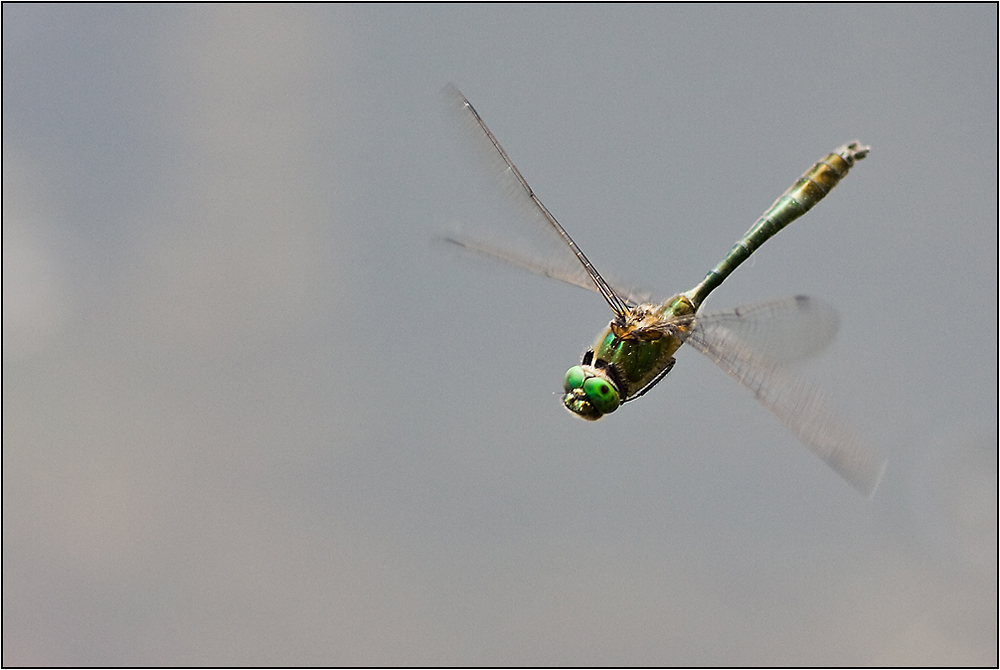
[641, 350]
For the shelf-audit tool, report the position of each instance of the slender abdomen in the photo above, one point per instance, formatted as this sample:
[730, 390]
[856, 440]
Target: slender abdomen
[811, 187]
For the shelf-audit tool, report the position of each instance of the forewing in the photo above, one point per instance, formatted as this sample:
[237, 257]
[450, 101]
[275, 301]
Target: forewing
[526, 237]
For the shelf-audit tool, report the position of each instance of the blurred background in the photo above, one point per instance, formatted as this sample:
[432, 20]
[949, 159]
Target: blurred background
[252, 414]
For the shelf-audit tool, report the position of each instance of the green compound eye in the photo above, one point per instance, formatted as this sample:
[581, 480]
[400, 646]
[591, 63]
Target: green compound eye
[602, 394]
[575, 377]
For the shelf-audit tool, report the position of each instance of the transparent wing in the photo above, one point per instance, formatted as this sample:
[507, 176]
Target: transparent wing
[736, 342]
[558, 271]
[787, 330]
[530, 233]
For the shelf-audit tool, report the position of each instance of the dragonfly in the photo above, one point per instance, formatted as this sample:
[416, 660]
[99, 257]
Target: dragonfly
[756, 345]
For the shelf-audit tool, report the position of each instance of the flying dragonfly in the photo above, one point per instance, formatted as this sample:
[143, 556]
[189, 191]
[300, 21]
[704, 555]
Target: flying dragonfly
[753, 344]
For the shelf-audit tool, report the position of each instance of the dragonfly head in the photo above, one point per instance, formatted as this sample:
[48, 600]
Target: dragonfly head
[590, 392]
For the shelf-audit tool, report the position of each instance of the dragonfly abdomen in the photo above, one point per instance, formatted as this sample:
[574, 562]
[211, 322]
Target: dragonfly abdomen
[803, 195]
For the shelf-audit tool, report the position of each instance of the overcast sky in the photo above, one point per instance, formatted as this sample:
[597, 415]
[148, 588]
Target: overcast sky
[252, 414]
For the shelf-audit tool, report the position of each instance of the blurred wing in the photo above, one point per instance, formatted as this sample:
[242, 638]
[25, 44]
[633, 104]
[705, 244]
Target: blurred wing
[728, 339]
[554, 271]
[530, 236]
[787, 330]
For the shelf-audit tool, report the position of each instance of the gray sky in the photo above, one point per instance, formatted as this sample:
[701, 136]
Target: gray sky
[252, 414]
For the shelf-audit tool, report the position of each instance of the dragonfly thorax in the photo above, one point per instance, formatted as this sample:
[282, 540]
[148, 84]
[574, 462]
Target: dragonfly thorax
[631, 355]
[639, 323]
